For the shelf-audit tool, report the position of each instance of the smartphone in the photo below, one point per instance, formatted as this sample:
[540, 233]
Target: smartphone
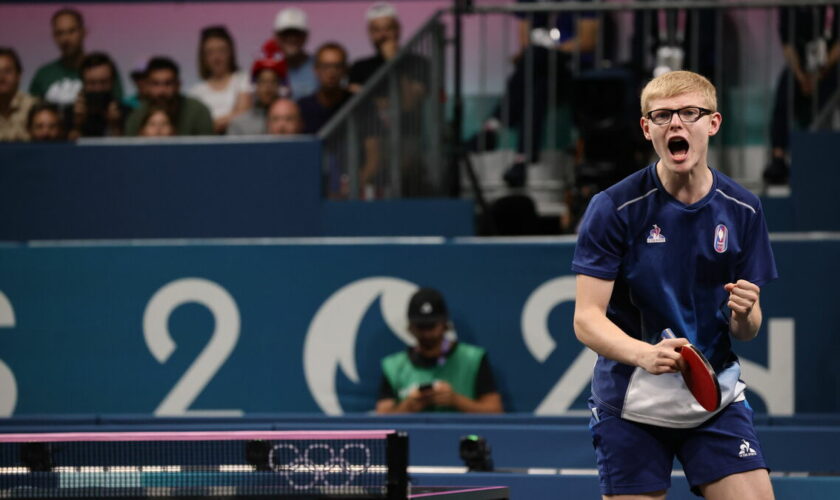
[425, 387]
[97, 102]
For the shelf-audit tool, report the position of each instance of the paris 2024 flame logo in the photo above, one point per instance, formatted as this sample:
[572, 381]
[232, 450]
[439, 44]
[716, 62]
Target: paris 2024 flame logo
[331, 339]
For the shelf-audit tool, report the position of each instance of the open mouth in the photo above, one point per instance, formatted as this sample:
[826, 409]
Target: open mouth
[678, 148]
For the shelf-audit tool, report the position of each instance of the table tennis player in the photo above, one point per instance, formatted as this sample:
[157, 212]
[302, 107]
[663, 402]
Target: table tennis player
[438, 373]
[675, 245]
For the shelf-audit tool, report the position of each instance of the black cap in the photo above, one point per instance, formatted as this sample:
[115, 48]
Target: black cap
[427, 307]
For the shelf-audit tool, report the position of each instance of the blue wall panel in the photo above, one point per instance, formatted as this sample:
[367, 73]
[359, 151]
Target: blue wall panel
[407, 217]
[814, 175]
[188, 190]
[232, 329]
[160, 190]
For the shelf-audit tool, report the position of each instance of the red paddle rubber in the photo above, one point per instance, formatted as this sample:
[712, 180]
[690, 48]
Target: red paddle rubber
[698, 375]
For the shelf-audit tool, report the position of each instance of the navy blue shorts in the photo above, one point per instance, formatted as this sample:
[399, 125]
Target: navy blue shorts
[637, 458]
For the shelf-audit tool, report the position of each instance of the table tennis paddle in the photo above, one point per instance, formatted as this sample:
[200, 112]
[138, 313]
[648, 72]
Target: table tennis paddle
[698, 374]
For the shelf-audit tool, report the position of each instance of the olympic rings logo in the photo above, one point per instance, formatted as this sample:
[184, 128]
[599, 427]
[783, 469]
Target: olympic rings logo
[320, 464]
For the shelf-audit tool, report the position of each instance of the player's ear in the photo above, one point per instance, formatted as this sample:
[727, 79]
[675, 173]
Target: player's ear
[645, 127]
[715, 119]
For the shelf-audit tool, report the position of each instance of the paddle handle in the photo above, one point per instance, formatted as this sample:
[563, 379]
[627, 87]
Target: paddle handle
[668, 334]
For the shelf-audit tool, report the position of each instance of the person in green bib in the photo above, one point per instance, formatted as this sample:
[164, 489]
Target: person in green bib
[438, 374]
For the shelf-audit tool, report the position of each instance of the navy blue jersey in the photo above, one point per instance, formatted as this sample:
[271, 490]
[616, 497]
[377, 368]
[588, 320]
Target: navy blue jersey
[669, 262]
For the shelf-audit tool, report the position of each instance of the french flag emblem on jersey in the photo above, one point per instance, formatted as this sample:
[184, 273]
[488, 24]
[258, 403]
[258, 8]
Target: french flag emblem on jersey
[721, 238]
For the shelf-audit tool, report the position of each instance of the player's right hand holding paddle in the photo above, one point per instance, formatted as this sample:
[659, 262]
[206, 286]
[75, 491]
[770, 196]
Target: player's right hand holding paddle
[698, 374]
[664, 357]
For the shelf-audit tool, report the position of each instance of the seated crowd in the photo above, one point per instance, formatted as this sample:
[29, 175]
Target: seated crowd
[286, 91]
[89, 100]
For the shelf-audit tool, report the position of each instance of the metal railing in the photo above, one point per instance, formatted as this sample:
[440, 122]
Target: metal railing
[387, 142]
[391, 140]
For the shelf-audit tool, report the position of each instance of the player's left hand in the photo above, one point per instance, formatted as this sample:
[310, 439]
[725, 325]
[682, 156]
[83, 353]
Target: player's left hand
[443, 394]
[743, 296]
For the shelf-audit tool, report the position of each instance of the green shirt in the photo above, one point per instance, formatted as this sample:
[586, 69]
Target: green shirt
[60, 84]
[460, 370]
[193, 118]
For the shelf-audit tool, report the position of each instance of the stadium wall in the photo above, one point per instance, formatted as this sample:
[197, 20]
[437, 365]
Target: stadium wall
[243, 327]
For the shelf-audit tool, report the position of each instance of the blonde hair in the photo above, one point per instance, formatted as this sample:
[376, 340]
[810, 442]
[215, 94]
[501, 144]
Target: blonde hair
[676, 83]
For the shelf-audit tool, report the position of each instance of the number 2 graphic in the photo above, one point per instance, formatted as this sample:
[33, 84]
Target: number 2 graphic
[8, 384]
[201, 371]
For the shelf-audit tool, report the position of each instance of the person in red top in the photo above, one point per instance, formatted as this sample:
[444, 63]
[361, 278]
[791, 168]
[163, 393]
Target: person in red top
[269, 78]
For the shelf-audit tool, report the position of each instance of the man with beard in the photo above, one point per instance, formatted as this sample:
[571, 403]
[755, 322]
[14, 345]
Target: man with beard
[331, 67]
[414, 73]
[439, 373]
[14, 104]
[97, 112]
[163, 87]
[59, 81]
[384, 33]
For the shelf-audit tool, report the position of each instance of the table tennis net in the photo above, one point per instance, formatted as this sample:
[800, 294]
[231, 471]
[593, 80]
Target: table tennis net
[359, 464]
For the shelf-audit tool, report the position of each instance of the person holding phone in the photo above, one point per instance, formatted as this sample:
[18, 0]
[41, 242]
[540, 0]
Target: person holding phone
[98, 111]
[439, 373]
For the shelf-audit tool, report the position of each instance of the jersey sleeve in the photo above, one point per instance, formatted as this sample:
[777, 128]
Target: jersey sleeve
[600, 247]
[756, 263]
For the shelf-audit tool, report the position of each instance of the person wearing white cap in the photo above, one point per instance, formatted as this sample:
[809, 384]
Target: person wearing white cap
[290, 33]
[413, 75]
[384, 33]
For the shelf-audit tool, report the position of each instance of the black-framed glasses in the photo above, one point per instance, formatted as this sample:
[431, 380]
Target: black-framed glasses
[689, 114]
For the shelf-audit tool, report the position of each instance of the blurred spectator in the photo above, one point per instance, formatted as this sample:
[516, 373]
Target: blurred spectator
[284, 118]
[812, 50]
[224, 89]
[663, 40]
[384, 34]
[331, 68]
[44, 123]
[97, 111]
[157, 123]
[570, 37]
[267, 75]
[60, 81]
[163, 87]
[290, 33]
[138, 77]
[14, 104]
